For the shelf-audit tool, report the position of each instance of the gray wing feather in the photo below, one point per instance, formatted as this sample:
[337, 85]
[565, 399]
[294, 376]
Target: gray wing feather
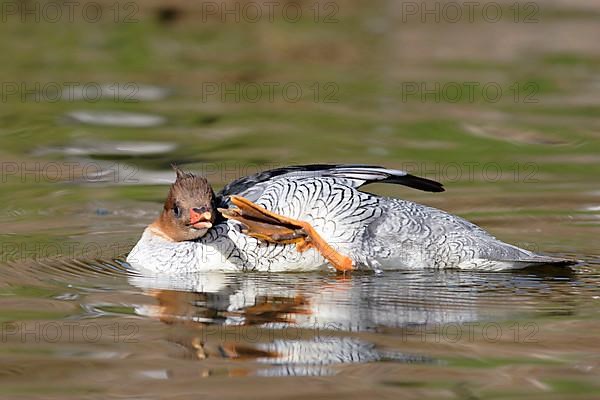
[354, 175]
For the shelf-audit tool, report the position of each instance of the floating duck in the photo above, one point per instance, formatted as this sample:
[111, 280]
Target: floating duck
[312, 217]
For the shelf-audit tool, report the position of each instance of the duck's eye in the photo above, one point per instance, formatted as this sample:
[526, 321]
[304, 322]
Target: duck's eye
[176, 211]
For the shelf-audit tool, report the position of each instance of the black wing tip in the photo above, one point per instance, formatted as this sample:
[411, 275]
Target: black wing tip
[416, 182]
[412, 181]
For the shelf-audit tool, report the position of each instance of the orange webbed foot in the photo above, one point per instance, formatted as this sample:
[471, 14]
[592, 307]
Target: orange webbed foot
[265, 225]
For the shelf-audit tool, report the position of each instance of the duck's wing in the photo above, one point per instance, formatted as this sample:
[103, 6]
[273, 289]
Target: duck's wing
[252, 186]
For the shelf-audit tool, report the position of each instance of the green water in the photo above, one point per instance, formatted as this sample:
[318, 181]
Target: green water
[504, 113]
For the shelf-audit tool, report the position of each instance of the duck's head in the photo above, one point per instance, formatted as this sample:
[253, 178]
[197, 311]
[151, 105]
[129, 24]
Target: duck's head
[189, 210]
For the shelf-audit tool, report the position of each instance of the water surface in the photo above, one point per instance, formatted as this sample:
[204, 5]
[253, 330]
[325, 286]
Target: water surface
[81, 178]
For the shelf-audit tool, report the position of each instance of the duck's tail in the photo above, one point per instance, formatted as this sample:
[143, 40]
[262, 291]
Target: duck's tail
[504, 264]
[538, 259]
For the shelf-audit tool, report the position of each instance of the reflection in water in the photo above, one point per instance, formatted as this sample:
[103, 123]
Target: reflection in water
[216, 325]
[296, 324]
[275, 324]
[304, 324]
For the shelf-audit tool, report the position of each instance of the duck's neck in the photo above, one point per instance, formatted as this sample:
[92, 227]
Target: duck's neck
[160, 228]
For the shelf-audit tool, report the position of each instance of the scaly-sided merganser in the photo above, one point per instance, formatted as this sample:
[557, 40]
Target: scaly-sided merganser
[308, 217]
